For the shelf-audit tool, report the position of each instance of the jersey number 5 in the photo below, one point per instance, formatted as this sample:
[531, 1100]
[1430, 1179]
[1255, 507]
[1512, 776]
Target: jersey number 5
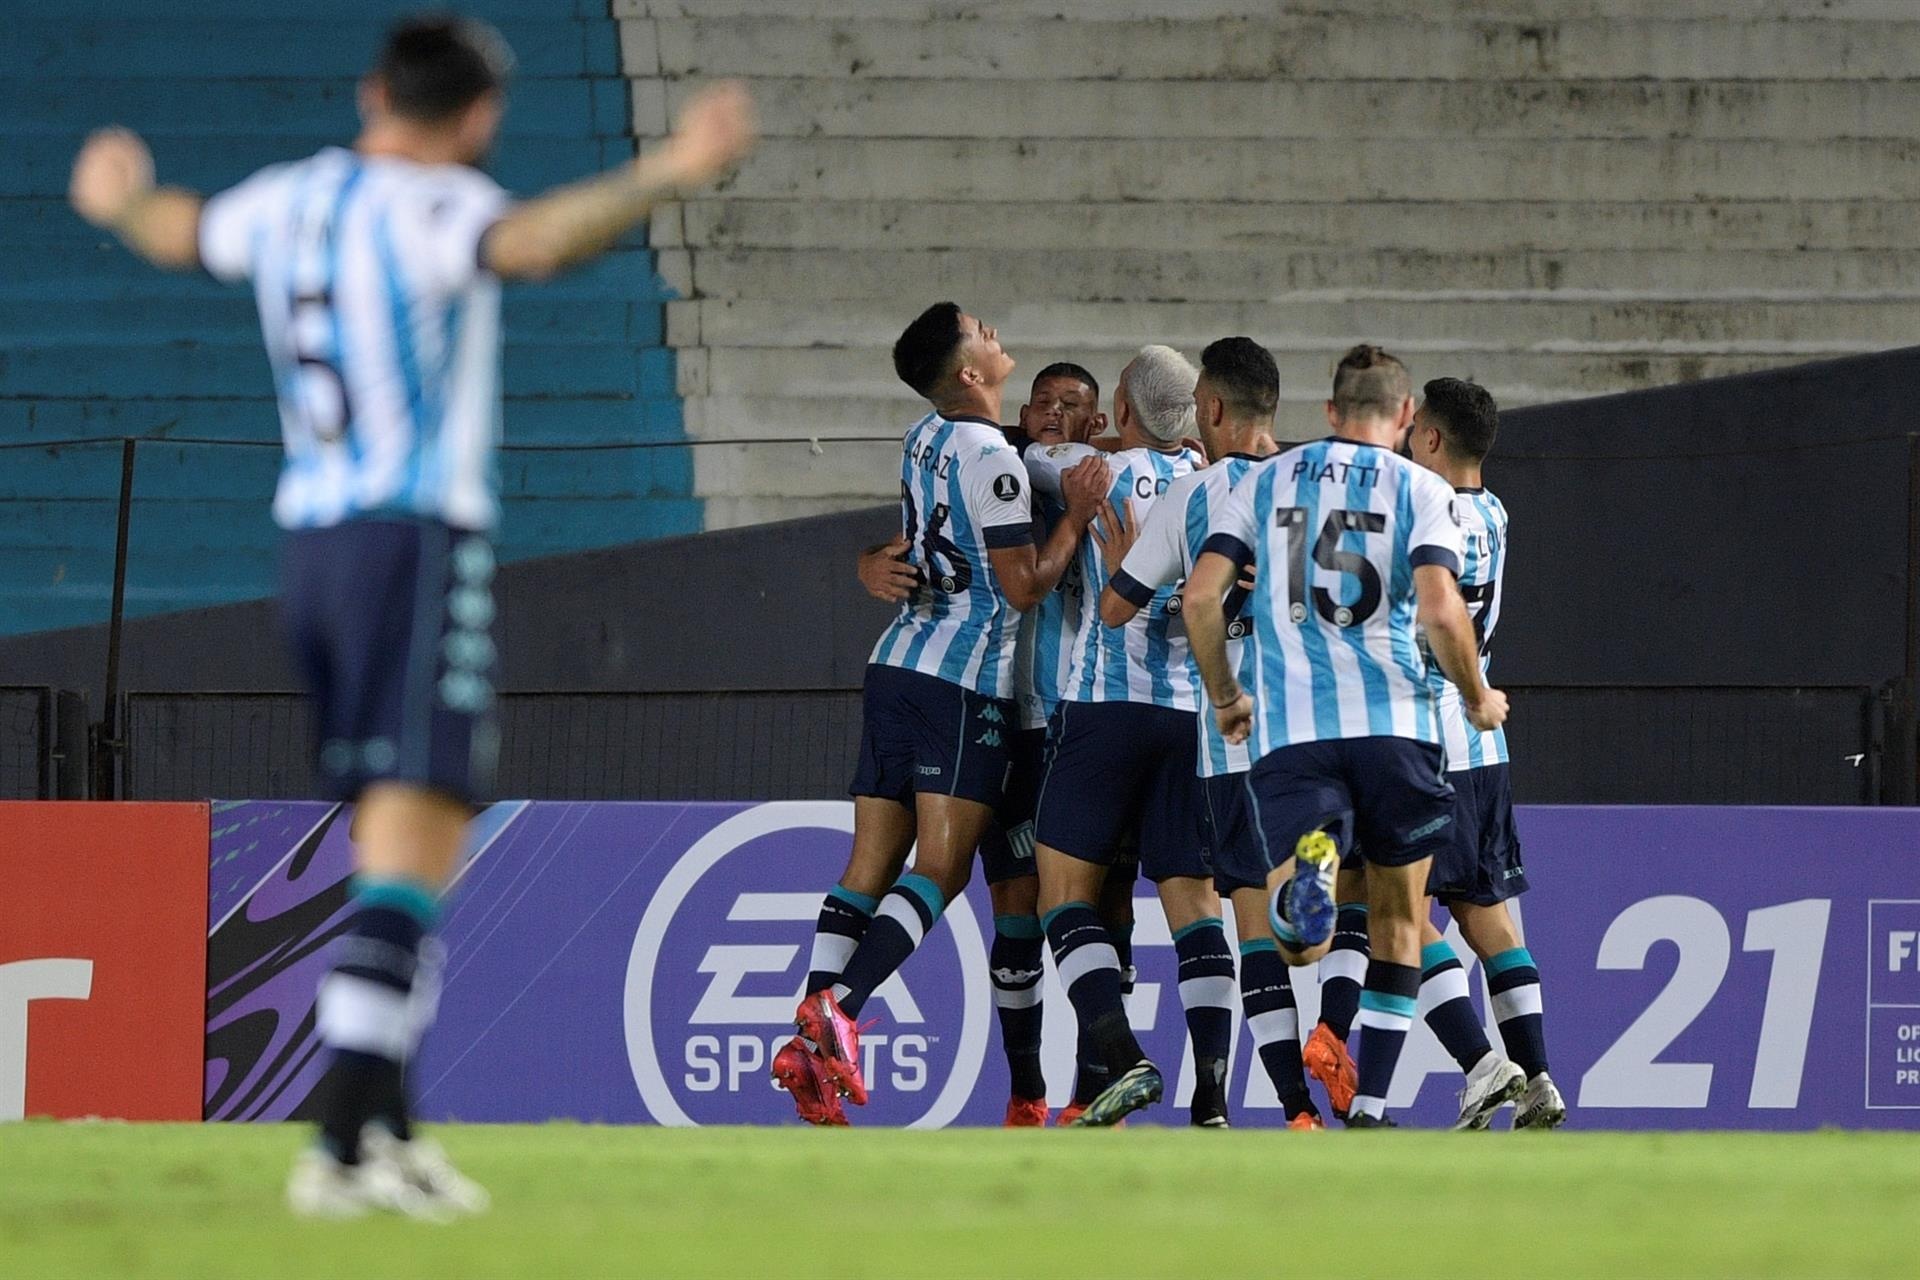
[1328, 554]
[946, 564]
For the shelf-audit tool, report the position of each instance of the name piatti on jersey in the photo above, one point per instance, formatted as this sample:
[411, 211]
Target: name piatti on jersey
[1483, 522]
[1338, 528]
[963, 495]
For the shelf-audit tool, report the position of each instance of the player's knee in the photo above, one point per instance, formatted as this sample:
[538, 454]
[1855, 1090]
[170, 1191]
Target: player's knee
[1299, 958]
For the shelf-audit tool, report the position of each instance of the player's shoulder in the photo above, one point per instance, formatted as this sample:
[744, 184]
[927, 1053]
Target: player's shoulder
[1061, 456]
[436, 190]
[1184, 487]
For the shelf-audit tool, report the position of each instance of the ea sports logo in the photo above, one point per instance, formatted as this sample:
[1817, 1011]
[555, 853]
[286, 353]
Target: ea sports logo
[722, 953]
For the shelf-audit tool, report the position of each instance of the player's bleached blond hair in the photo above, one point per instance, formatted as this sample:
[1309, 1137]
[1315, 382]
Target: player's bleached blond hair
[1159, 388]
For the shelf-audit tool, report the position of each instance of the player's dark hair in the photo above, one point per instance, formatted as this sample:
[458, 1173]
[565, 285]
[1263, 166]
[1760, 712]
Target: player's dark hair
[1243, 374]
[1068, 369]
[1466, 415]
[1369, 381]
[436, 65]
[924, 353]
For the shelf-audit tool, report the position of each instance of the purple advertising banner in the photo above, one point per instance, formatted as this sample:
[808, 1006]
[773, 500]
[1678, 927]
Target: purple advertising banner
[638, 963]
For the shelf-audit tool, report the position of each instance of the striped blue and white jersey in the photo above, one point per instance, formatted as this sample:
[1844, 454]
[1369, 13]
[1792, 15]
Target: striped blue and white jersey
[382, 330]
[1145, 661]
[1047, 631]
[963, 493]
[1483, 522]
[1169, 543]
[1337, 529]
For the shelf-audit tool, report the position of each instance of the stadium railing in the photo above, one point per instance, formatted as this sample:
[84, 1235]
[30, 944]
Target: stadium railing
[43, 743]
[1571, 745]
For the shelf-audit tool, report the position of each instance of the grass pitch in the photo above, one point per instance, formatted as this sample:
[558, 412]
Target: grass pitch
[204, 1201]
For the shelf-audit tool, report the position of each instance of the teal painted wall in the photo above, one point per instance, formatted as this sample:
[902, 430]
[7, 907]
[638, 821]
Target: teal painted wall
[94, 343]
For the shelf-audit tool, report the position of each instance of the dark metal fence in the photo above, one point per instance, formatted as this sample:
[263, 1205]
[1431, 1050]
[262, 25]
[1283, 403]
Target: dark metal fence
[1591, 745]
[43, 744]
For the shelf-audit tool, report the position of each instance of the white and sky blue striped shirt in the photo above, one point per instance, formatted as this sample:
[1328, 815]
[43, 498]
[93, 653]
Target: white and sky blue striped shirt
[1145, 661]
[1169, 543]
[382, 329]
[1044, 658]
[1483, 520]
[1337, 529]
[963, 493]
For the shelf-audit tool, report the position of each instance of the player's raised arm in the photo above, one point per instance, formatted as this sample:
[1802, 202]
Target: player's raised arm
[1141, 560]
[569, 225]
[1026, 574]
[113, 187]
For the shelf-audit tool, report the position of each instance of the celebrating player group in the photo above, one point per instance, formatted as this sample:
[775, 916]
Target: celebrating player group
[1176, 648]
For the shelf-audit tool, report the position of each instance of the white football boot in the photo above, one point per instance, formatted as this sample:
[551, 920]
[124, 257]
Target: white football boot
[1491, 1084]
[424, 1165]
[1541, 1107]
[321, 1187]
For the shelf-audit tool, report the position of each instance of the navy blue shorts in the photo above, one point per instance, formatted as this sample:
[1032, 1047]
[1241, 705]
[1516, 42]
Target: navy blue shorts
[1006, 851]
[1233, 845]
[1115, 768]
[389, 621]
[1481, 863]
[1388, 795]
[921, 733]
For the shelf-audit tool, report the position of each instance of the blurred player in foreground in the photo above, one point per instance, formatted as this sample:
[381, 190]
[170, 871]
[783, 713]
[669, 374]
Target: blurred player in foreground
[377, 272]
[1357, 549]
[937, 703]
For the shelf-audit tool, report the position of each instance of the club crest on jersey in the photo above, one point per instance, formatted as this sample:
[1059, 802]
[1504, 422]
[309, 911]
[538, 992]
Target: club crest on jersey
[721, 953]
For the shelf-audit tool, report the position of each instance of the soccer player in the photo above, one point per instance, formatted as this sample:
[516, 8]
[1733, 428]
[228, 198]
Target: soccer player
[1062, 408]
[1480, 867]
[1357, 547]
[1121, 759]
[377, 272]
[938, 696]
[1234, 403]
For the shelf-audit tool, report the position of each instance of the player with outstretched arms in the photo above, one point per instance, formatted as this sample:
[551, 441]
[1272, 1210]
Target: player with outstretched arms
[377, 273]
[937, 705]
[1358, 550]
[1121, 763]
[1234, 404]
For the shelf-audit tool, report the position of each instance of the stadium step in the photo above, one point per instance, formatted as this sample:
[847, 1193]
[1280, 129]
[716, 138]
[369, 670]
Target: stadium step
[187, 48]
[543, 107]
[1325, 46]
[1267, 108]
[1187, 10]
[528, 317]
[1469, 226]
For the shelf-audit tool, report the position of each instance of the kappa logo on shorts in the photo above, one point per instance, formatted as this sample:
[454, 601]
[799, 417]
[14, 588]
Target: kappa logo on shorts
[1421, 833]
[720, 956]
[1006, 487]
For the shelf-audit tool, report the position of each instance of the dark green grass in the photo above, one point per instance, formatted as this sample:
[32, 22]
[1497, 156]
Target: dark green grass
[204, 1201]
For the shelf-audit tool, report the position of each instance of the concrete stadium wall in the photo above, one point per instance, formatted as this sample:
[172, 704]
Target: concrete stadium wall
[93, 343]
[1559, 198]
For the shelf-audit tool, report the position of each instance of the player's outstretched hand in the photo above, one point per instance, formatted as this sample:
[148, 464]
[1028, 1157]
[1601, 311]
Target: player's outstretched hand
[1236, 718]
[1490, 712]
[715, 131]
[112, 170]
[885, 573]
[1085, 488]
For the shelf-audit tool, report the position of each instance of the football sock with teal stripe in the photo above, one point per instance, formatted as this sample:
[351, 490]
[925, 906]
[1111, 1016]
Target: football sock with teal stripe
[1207, 995]
[844, 917]
[907, 912]
[1090, 971]
[1513, 989]
[366, 1013]
[1018, 944]
[1266, 994]
[1387, 1006]
[1449, 1009]
[1343, 969]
